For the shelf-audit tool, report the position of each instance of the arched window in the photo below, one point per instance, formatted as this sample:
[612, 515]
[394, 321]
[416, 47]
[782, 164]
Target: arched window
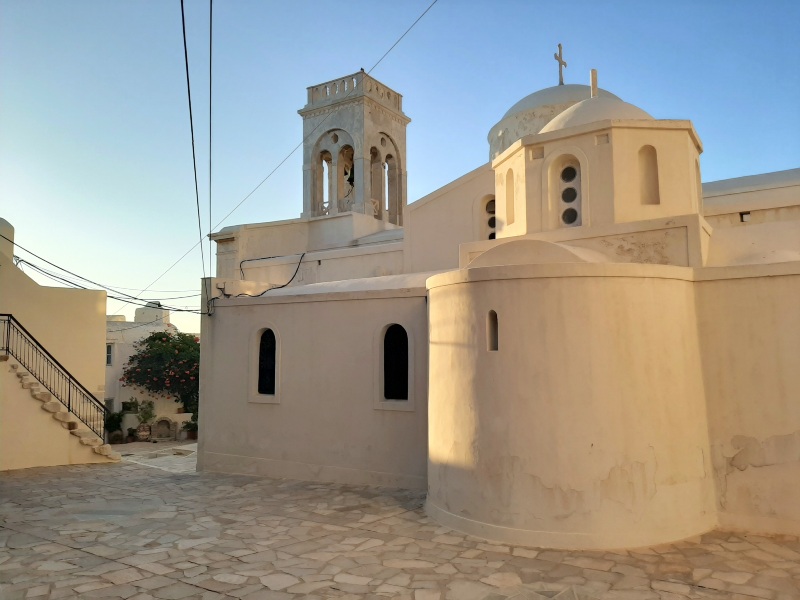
[698, 182]
[648, 176]
[324, 190]
[393, 204]
[509, 197]
[345, 192]
[266, 363]
[395, 363]
[492, 336]
[376, 182]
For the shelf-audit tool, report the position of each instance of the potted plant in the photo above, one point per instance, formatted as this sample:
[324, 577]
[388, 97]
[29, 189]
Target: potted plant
[190, 427]
[113, 424]
[146, 415]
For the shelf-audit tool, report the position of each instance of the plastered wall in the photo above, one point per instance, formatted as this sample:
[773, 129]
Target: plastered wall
[30, 436]
[70, 324]
[750, 343]
[326, 421]
[439, 222]
[587, 427]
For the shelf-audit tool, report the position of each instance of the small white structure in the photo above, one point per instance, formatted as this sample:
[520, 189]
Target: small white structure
[574, 345]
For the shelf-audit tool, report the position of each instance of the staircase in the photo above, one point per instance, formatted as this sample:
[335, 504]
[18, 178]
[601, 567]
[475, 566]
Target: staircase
[48, 382]
[59, 412]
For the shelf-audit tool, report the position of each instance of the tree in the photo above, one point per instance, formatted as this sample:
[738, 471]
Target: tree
[168, 365]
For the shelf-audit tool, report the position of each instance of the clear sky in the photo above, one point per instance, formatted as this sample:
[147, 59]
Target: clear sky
[95, 150]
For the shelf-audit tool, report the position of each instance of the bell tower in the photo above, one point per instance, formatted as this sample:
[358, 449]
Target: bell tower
[354, 149]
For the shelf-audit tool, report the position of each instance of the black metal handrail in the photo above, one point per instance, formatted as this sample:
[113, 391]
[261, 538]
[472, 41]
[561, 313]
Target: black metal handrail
[18, 342]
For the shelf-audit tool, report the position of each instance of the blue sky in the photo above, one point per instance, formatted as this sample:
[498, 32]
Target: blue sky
[95, 151]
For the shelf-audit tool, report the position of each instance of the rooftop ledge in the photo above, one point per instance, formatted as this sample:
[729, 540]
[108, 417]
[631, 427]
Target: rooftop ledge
[541, 138]
[352, 86]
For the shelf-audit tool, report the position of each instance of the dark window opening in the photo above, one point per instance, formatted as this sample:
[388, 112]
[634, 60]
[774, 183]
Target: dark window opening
[569, 216]
[266, 363]
[492, 335]
[395, 363]
[568, 174]
[569, 194]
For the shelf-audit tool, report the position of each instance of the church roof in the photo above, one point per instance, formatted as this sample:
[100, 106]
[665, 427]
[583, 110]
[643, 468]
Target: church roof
[591, 110]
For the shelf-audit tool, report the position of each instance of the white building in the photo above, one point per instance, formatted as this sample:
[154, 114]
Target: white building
[574, 345]
[121, 339]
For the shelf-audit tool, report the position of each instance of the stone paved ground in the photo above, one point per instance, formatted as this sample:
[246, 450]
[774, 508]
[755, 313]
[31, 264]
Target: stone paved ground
[130, 531]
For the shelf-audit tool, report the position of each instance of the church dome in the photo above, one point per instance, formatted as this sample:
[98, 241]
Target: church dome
[569, 93]
[536, 110]
[591, 110]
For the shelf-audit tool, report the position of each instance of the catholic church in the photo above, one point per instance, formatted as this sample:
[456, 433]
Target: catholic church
[576, 345]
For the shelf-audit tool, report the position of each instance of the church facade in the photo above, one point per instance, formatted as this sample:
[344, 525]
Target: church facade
[576, 345]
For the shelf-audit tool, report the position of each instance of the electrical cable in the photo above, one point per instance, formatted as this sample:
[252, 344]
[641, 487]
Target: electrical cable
[129, 300]
[277, 287]
[21, 261]
[191, 127]
[209, 299]
[291, 153]
[142, 324]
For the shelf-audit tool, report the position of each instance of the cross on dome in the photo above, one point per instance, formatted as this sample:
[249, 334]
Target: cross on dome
[561, 64]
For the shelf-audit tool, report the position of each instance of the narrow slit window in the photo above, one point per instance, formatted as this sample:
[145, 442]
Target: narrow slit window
[266, 363]
[395, 363]
[509, 197]
[492, 338]
[648, 176]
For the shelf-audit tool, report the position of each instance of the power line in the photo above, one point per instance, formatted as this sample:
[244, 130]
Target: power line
[191, 126]
[288, 156]
[142, 324]
[128, 299]
[209, 300]
[114, 289]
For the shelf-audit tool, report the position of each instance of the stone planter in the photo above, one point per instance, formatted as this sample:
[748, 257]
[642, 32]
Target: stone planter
[143, 432]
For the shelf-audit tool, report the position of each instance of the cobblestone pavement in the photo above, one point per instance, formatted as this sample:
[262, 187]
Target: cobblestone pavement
[134, 532]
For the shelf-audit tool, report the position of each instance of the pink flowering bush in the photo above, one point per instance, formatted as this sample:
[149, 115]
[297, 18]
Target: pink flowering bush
[168, 365]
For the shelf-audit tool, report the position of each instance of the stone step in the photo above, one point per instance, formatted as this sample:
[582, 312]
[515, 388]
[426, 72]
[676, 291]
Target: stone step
[52, 406]
[64, 417]
[43, 396]
[82, 433]
[3, 357]
[115, 456]
[90, 441]
[104, 449]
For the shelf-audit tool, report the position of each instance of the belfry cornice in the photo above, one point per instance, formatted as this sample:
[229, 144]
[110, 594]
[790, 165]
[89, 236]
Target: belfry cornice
[366, 100]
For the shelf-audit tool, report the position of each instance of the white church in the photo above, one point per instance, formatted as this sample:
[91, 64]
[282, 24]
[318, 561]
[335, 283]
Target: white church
[576, 345]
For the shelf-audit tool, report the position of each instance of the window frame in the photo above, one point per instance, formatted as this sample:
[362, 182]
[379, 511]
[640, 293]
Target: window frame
[379, 400]
[254, 396]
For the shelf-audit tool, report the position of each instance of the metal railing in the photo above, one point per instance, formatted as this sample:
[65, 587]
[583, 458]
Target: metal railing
[18, 342]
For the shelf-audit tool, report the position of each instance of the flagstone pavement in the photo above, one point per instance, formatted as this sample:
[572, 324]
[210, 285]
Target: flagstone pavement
[133, 531]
